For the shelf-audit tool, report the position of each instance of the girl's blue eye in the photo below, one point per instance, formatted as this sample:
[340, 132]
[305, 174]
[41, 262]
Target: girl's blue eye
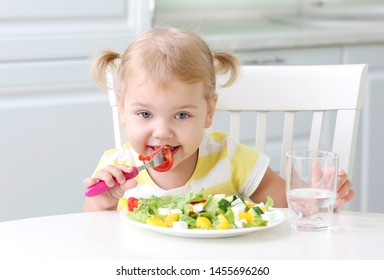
[182, 116]
[145, 115]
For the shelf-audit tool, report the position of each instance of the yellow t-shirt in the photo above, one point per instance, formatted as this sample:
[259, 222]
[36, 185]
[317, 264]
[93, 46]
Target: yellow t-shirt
[223, 166]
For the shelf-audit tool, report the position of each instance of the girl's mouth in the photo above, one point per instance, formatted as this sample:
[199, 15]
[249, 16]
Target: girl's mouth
[174, 149]
[163, 155]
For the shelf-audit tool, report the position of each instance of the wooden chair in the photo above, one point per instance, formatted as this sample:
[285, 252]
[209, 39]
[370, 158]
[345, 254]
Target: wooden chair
[290, 90]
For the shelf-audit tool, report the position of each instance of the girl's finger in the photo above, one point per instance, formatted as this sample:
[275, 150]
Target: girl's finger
[344, 199]
[344, 187]
[106, 176]
[341, 178]
[118, 192]
[90, 181]
[111, 173]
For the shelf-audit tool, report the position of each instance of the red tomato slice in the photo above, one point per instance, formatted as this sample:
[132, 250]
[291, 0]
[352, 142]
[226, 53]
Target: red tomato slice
[167, 155]
[132, 203]
[197, 202]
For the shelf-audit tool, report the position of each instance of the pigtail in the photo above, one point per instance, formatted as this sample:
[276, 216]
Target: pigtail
[100, 65]
[226, 63]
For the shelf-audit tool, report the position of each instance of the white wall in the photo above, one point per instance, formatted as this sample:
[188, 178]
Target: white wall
[54, 123]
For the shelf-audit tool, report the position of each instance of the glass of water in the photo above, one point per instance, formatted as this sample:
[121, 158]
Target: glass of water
[311, 183]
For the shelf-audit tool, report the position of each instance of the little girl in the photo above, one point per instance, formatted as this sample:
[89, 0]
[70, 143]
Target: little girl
[166, 83]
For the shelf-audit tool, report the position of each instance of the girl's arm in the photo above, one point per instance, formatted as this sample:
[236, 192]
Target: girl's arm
[271, 185]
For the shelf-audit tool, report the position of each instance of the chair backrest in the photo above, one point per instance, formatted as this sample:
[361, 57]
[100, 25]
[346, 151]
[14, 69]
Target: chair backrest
[317, 89]
[289, 90]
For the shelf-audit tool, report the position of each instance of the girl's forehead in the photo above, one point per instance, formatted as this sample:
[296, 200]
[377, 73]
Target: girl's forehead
[143, 82]
[176, 96]
[140, 91]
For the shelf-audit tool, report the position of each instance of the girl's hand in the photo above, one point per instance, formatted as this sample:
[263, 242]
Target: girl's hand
[345, 192]
[109, 199]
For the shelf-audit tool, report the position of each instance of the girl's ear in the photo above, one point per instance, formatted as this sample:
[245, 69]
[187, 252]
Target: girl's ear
[120, 105]
[211, 111]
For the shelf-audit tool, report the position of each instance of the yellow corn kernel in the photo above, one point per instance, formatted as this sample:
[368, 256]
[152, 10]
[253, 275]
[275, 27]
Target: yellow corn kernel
[203, 222]
[247, 216]
[224, 224]
[122, 204]
[171, 218]
[156, 222]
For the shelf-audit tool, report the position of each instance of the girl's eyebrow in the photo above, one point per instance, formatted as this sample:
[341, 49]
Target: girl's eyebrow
[187, 106]
[181, 107]
[138, 104]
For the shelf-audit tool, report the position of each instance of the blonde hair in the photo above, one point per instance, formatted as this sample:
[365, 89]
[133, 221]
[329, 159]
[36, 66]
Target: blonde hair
[164, 54]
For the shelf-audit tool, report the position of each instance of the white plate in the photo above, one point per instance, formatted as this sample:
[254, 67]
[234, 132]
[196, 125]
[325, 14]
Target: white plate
[199, 233]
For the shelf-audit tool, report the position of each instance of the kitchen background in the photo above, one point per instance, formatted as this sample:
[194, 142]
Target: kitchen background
[55, 124]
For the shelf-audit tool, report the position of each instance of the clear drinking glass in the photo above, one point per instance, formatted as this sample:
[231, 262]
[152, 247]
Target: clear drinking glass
[311, 183]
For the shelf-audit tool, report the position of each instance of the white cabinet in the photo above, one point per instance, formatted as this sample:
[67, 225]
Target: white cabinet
[368, 177]
[54, 122]
[297, 56]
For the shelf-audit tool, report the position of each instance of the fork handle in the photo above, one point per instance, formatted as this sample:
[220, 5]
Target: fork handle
[101, 186]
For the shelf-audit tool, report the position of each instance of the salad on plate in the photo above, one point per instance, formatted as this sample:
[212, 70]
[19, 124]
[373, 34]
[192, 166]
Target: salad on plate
[196, 210]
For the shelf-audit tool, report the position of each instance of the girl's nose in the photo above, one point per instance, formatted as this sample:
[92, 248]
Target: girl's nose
[162, 130]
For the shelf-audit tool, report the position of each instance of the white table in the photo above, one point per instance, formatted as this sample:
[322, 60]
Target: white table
[103, 235]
